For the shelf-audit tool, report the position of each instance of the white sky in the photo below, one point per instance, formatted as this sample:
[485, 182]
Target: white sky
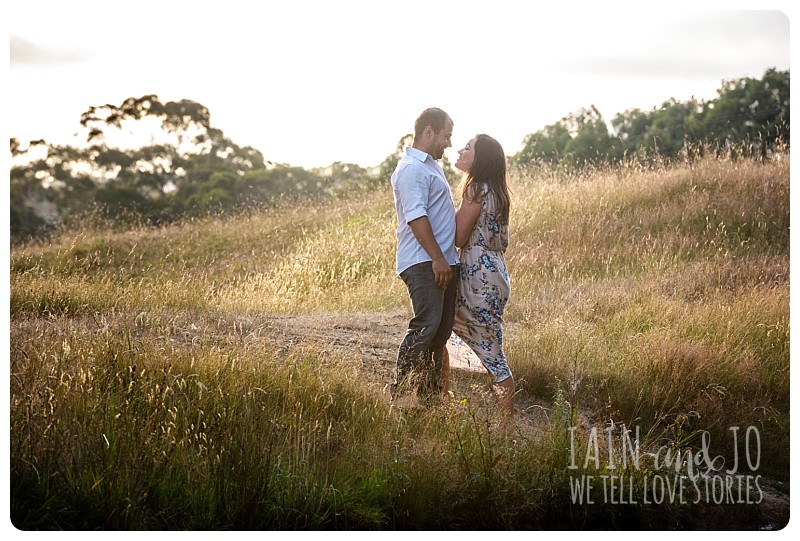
[313, 82]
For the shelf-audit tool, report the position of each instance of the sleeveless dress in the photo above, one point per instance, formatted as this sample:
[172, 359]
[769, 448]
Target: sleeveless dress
[483, 290]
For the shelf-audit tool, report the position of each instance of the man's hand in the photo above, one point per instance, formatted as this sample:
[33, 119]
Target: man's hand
[421, 227]
[442, 272]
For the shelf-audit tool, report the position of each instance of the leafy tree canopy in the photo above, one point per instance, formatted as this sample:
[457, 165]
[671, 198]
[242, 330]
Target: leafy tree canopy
[745, 111]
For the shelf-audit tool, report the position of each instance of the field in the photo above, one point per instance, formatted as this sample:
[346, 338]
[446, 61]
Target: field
[231, 373]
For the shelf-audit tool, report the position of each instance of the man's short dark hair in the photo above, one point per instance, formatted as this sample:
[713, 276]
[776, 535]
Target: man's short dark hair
[433, 117]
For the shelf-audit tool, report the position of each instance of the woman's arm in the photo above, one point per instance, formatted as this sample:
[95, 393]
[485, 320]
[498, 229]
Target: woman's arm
[466, 216]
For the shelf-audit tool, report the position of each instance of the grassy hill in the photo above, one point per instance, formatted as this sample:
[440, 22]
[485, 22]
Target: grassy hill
[149, 388]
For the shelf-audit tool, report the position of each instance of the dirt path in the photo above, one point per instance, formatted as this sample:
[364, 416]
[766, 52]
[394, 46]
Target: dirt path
[373, 336]
[374, 339]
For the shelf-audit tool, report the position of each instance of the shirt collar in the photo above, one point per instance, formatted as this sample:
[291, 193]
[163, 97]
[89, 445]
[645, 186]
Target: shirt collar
[416, 153]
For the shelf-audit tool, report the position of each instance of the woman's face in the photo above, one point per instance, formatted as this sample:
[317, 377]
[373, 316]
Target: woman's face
[466, 156]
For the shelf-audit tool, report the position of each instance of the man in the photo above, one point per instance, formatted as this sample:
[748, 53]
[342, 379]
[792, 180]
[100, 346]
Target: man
[426, 255]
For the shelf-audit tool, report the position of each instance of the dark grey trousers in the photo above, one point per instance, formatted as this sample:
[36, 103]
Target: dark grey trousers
[421, 350]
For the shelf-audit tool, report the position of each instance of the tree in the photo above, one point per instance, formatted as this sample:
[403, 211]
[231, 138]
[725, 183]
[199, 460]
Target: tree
[340, 177]
[31, 205]
[265, 185]
[590, 142]
[177, 118]
[548, 145]
[747, 113]
[667, 134]
[186, 149]
[630, 128]
[216, 195]
[751, 110]
[577, 139]
[190, 147]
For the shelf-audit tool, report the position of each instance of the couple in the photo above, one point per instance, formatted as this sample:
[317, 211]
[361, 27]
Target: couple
[463, 291]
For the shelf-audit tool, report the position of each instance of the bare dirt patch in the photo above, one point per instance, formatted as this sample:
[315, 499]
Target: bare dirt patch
[373, 339]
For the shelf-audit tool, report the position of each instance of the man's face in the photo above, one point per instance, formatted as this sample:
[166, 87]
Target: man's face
[440, 141]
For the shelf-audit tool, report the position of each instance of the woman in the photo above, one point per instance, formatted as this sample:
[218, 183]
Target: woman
[482, 239]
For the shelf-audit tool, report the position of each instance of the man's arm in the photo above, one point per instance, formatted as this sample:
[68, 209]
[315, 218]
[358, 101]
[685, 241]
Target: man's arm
[421, 227]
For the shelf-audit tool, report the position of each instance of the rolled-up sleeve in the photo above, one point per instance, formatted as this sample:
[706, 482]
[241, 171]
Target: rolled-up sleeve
[412, 189]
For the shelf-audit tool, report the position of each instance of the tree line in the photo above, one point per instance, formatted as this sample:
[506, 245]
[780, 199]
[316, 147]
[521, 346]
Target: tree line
[749, 117]
[190, 168]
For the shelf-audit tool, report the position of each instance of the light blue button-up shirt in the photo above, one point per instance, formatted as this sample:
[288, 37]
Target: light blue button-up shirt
[420, 189]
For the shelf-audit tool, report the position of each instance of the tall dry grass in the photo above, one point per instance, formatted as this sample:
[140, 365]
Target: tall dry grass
[659, 294]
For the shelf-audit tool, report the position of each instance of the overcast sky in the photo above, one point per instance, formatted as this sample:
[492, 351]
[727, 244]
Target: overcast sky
[313, 82]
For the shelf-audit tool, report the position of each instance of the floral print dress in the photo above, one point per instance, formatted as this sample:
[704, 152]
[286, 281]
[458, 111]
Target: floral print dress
[484, 289]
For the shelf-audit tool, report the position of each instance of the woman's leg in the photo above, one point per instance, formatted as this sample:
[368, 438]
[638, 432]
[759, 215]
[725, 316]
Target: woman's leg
[488, 347]
[504, 390]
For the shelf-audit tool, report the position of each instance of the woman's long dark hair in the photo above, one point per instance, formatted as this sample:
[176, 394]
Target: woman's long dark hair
[489, 169]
